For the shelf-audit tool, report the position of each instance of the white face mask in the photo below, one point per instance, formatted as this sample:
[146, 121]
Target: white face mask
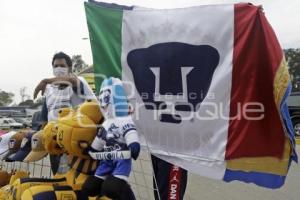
[60, 71]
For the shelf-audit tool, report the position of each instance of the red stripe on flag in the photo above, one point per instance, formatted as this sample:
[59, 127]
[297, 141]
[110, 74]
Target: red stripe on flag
[256, 57]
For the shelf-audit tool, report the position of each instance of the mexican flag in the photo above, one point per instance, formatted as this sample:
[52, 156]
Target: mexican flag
[208, 85]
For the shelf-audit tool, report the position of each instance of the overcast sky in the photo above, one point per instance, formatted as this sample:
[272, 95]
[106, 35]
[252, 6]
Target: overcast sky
[32, 31]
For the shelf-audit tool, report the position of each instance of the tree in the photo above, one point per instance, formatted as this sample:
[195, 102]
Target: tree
[293, 58]
[78, 63]
[28, 102]
[6, 98]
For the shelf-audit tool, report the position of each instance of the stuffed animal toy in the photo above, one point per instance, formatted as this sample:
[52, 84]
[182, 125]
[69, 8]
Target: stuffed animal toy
[116, 144]
[72, 134]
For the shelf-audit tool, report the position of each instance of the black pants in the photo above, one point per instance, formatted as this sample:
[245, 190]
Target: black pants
[170, 182]
[112, 187]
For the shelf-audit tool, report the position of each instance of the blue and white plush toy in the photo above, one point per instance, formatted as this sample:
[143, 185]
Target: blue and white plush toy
[116, 137]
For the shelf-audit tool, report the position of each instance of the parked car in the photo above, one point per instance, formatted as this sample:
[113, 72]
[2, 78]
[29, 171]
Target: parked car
[25, 121]
[294, 108]
[9, 123]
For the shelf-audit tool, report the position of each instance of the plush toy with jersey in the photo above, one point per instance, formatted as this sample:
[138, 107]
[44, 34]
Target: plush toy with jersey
[115, 145]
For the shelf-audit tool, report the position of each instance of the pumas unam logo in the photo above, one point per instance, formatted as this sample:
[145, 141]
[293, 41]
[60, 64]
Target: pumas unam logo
[173, 75]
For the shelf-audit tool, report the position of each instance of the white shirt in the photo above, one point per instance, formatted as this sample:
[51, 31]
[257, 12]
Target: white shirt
[57, 98]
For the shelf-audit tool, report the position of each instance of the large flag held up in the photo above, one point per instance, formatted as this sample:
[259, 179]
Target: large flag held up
[208, 84]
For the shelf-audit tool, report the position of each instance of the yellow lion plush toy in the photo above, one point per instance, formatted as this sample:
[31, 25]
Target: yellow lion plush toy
[72, 133]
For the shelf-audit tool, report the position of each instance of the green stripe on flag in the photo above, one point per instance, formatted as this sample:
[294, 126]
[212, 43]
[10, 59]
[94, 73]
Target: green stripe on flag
[105, 30]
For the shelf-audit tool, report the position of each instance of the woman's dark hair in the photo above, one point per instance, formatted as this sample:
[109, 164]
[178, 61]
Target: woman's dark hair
[62, 55]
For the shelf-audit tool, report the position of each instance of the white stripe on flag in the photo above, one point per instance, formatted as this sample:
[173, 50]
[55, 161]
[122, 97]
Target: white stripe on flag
[203, 25]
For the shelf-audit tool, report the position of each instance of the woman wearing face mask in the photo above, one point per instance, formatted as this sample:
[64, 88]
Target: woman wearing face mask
[63, 90]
